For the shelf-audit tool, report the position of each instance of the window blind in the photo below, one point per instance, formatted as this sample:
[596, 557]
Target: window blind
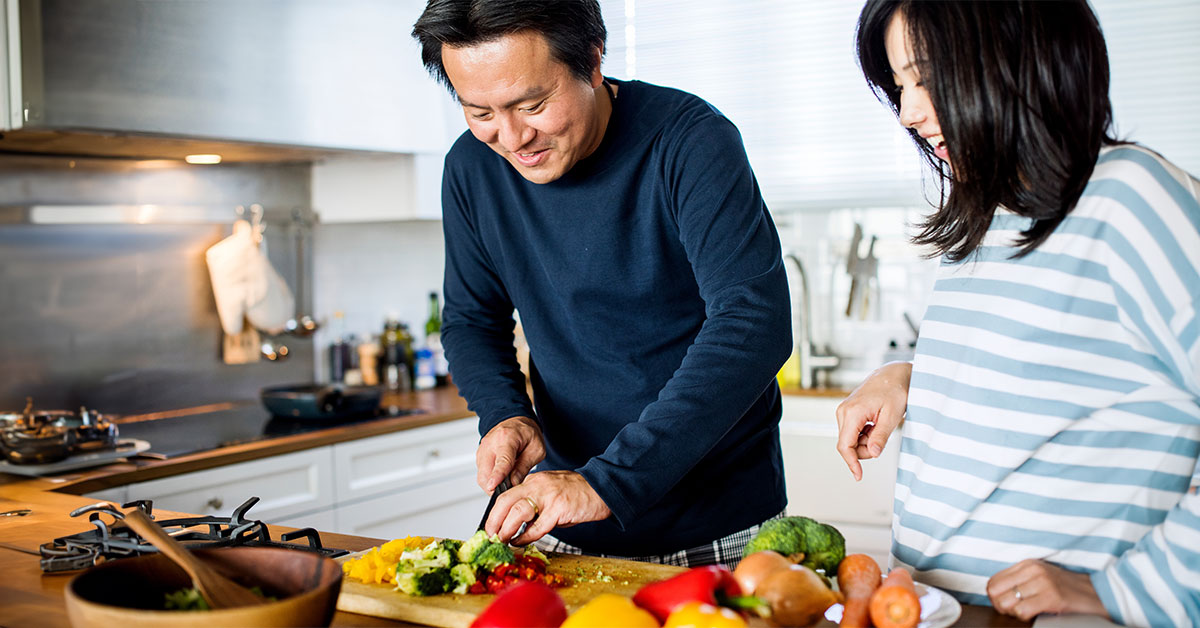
[785, 73]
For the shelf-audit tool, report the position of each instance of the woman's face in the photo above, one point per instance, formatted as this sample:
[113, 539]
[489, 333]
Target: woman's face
[916, 109]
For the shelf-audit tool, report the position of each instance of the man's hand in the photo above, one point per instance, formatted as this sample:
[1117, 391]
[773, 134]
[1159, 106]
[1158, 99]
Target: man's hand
[544, 501]
[871, 413]
[508, 450]
[1032, 587]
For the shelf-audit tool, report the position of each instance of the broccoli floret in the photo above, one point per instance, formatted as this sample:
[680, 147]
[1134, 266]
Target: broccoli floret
[784, 535]
[431, 556]
[462, 576]
[492, 556]
[483, 551]
[815, 545]
[430, 582]
[826, 548]
[473, 545]
[533, 552]
[453, 546]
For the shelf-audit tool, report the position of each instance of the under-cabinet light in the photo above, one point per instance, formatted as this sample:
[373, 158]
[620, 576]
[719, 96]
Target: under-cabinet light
[203, 159]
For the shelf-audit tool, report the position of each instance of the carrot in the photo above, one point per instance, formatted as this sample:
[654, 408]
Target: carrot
[858, 576]
[895, 603]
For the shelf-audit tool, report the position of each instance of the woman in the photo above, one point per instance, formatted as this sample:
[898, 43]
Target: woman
[1053, 406]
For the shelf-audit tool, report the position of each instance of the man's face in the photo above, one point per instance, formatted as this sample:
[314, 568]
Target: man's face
[527, 106]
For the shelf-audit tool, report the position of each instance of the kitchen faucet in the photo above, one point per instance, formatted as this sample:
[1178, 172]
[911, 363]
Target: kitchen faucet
[810, 359]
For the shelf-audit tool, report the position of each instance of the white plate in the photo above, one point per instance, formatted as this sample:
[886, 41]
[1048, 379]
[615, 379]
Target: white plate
[938, 608]
[125, 447]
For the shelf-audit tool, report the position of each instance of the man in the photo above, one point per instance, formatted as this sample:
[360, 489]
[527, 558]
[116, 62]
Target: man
[622, 221]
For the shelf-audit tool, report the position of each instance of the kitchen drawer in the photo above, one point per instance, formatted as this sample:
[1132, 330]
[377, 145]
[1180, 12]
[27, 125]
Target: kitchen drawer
[287, 485]
[450, 508]
[382, 464]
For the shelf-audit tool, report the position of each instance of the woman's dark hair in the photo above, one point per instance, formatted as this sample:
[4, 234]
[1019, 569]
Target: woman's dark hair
[1020, 89]
[574, 29]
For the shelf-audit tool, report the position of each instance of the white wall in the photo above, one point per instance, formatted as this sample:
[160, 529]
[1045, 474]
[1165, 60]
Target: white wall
[367, 270]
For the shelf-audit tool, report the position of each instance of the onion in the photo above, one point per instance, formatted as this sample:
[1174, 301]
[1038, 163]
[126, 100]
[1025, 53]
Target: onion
[756, 567]
[797, 596]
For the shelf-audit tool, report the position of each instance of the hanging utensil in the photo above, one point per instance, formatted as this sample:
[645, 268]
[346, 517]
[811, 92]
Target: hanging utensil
[302, 325]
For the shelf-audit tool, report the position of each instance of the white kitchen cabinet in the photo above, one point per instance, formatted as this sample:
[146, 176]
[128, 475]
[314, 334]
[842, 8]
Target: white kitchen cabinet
[450, 507]
[819, 484]
[418, 482]
[373, 466]
[289, 484]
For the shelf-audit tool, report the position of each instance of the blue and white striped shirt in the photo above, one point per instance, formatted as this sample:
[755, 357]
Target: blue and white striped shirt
[1054, 407]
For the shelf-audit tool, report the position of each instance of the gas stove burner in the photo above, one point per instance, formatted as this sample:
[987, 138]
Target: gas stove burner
[113, 539]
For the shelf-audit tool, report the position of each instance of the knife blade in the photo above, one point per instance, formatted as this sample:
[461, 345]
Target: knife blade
[504, 485]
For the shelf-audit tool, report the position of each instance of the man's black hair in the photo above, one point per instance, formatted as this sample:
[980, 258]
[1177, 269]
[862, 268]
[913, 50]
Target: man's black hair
[1020, 89]
[574, 29]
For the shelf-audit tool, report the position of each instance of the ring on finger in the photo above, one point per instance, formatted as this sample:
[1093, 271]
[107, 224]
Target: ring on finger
[536, 510]
[1017, 593]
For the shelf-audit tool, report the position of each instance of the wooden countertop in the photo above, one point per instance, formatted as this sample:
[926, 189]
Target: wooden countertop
[29, 598]
[440, 405]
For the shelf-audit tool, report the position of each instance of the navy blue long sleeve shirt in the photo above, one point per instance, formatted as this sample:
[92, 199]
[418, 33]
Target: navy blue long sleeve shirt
[651, 290]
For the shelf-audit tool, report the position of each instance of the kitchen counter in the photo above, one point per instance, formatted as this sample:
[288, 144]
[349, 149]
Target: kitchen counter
[438, 406]
[29, 598]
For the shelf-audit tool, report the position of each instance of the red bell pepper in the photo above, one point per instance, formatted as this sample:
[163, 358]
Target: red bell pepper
[713, 584]
[525, 604]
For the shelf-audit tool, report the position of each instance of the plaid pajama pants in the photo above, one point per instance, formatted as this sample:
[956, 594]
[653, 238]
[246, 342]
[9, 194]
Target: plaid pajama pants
[726, 550]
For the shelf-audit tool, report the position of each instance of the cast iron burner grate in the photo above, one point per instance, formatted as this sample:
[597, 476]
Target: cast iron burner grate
[115, 540]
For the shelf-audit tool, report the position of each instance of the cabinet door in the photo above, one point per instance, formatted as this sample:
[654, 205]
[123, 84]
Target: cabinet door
[382, 464]
[448, 508]
[287, 485]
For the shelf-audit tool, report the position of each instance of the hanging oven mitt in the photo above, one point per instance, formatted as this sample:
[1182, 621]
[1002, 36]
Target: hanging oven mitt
[269, 300]
[228, 265]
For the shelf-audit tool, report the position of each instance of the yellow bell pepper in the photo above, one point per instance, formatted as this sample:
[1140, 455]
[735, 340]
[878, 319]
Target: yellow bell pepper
[609, 610]
[701, 615]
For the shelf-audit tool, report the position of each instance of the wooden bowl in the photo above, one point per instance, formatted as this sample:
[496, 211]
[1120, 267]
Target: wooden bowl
[129, 592]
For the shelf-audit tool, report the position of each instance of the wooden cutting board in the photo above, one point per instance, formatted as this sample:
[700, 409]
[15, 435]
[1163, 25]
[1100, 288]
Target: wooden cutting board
[457, 611]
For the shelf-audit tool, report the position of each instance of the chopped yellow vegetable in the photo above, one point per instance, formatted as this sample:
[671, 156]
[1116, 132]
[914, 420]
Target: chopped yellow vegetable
[609, 610]
[378, 565]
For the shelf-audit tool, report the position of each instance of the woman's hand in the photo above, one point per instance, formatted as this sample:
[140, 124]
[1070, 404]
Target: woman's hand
[871, 413]
[509, 450]
[1032, 587]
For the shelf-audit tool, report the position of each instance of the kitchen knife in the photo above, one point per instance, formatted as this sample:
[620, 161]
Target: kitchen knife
[504, 485]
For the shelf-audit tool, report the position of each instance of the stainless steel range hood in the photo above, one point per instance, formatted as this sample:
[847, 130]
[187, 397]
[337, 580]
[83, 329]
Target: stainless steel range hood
[269, 80]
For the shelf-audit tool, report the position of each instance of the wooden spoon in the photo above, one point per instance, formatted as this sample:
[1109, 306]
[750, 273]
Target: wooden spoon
[217, 590]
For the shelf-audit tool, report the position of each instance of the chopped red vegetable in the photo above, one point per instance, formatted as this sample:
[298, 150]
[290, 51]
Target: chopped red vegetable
[524, 605]
[713, 584]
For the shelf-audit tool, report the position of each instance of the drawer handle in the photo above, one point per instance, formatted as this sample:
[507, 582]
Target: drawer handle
[435, 453]
[215, 503]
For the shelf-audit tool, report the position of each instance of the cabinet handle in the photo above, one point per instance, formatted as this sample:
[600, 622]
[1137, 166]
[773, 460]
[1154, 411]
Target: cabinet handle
[435, 453]
[214, 503]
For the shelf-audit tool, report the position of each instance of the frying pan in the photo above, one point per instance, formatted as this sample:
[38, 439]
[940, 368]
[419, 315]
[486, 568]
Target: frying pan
[321, 402]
